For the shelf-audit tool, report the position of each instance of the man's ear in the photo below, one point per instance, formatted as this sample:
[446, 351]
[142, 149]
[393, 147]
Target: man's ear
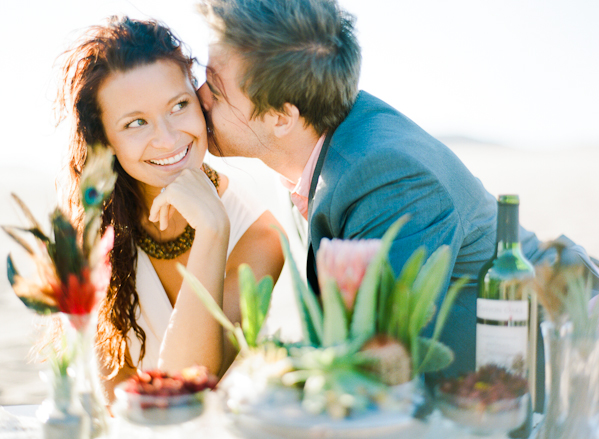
[286, 120]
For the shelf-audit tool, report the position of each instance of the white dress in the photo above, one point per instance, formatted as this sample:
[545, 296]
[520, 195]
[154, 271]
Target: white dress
[155, 308]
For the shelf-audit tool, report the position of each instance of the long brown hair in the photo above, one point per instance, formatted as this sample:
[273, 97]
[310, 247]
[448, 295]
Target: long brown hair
[119, 46]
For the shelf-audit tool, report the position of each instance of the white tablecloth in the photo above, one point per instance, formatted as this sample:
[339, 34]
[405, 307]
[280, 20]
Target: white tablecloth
[19, 422]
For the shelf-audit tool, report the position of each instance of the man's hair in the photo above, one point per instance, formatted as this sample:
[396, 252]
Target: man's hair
[303, 52]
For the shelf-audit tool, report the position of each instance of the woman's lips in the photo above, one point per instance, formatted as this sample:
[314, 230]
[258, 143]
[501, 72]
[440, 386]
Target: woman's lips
[172, 160]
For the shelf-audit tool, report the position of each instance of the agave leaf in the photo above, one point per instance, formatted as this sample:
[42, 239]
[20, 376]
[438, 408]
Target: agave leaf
[364, 318]
[247, 304]
[264, 295]
[401, 297]
[254, 301]
[385, 313]
[438, 357]
[400, 320]
[335, 315]
[206, 298]
[427, 287]
[412, 267]
[309, 308]
[448, 301]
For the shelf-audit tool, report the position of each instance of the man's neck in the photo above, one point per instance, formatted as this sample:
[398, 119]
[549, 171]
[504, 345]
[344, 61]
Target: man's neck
[292, 154]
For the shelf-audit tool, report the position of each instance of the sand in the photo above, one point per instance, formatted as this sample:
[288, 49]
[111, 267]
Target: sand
[557, 190]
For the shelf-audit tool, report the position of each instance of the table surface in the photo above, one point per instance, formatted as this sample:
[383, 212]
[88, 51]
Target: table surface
[20, 422]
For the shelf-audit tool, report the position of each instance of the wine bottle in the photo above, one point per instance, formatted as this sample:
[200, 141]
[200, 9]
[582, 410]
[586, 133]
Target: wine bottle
[503, 310]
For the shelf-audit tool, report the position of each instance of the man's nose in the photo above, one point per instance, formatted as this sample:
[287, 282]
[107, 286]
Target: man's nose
[205, 97]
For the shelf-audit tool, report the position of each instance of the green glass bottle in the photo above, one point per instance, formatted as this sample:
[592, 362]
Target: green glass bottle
[503, 329]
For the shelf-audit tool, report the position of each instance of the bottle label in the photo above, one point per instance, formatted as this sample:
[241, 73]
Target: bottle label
[504, 346]
[502, 310]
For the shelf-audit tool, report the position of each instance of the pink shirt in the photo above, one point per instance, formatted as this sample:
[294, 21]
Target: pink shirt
[301, 190]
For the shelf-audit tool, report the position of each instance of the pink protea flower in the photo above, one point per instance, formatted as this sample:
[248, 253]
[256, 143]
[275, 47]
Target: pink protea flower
[345, 261]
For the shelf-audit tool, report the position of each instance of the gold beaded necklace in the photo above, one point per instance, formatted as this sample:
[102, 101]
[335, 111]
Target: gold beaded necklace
[179, 245]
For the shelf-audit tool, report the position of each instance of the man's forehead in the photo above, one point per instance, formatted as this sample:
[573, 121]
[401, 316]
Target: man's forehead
[219, 57]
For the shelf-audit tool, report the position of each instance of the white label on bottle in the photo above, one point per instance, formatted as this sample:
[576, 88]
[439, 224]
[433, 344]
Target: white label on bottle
[505, 346]
[502, 310]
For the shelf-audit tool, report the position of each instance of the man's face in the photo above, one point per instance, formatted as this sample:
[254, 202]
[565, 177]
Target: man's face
[228, 109]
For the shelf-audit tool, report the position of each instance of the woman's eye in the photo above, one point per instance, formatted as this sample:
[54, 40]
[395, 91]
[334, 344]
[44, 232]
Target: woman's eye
[136, 123]
[180, 106]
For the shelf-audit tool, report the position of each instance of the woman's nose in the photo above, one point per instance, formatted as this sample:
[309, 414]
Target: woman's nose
[205, 97]
[165, 134]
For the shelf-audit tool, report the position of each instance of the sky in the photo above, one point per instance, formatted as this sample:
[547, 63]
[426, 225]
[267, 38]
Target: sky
[518, 73]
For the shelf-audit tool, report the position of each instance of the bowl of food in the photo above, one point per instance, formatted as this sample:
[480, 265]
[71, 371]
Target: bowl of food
[157, 398]
[487, 401]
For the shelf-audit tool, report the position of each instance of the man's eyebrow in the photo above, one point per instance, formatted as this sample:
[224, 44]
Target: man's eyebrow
[212, 88]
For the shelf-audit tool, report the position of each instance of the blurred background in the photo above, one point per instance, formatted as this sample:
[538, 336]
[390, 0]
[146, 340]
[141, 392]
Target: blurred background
[510, 86]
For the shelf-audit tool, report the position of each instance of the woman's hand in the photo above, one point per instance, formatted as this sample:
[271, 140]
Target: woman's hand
[194, 196]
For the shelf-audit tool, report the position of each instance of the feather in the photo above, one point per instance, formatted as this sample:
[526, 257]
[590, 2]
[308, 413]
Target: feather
[10, 232]
[26, 211]
[11, 270]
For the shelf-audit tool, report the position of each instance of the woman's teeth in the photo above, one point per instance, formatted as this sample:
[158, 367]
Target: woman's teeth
[172, 160]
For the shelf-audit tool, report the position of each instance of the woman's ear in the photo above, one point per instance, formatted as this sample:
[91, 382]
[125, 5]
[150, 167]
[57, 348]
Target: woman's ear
[286, 120]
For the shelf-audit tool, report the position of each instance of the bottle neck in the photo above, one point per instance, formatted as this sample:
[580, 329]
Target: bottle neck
[508, 228]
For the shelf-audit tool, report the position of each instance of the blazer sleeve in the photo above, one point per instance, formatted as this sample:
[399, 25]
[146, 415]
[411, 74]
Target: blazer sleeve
[377, 190]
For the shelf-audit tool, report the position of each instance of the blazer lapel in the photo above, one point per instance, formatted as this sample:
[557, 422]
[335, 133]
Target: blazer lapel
[311, 263]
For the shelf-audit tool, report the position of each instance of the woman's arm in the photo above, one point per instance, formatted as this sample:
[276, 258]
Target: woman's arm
[193, 336]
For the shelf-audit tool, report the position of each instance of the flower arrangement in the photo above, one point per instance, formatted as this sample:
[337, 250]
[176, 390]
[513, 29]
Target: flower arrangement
[73, 275]
[360, 339]
[571, 340]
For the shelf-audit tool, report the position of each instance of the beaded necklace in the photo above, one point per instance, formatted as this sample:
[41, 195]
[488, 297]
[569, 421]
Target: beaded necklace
[179, 245]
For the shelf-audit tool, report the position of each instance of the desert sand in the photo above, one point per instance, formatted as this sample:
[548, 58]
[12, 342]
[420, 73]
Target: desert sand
[558, 193]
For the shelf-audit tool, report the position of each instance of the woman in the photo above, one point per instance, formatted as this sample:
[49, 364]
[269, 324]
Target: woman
[128, 86]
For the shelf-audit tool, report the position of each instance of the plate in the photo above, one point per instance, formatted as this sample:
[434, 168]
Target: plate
[279, 414]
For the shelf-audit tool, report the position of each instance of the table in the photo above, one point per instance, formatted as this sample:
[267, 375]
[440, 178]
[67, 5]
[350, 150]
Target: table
[19, 422]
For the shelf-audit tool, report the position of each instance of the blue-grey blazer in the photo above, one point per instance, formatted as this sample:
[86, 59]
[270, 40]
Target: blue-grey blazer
[379, 165]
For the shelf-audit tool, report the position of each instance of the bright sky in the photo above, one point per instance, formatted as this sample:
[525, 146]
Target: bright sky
[515, 72]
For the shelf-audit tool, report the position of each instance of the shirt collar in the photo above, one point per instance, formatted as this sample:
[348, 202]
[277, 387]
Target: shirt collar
[301, 190]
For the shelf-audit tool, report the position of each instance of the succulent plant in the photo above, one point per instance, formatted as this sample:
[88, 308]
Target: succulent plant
[363, 335]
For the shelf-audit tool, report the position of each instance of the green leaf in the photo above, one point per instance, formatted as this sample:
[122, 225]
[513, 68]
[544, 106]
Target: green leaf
[254, 300]
[206, 298]
[427, 287]
[400, 321]
[308, 306]
[402, 296]
[439, 356]
[448, 302]
[247, 304]
[385, 313]
[364, 318]
[335, 315]
[412, 266]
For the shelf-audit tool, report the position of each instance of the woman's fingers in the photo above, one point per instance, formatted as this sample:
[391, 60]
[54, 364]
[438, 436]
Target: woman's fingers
[164, 216]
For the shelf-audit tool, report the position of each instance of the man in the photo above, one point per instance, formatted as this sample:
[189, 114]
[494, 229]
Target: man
[282, 86]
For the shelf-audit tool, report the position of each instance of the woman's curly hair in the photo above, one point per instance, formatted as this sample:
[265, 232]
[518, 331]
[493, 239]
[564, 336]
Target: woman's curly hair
[119, 46]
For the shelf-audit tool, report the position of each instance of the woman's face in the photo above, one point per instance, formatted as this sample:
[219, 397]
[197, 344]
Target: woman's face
[154, 122]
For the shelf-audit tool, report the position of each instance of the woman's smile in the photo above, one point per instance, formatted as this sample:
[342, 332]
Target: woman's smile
[173, 159]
